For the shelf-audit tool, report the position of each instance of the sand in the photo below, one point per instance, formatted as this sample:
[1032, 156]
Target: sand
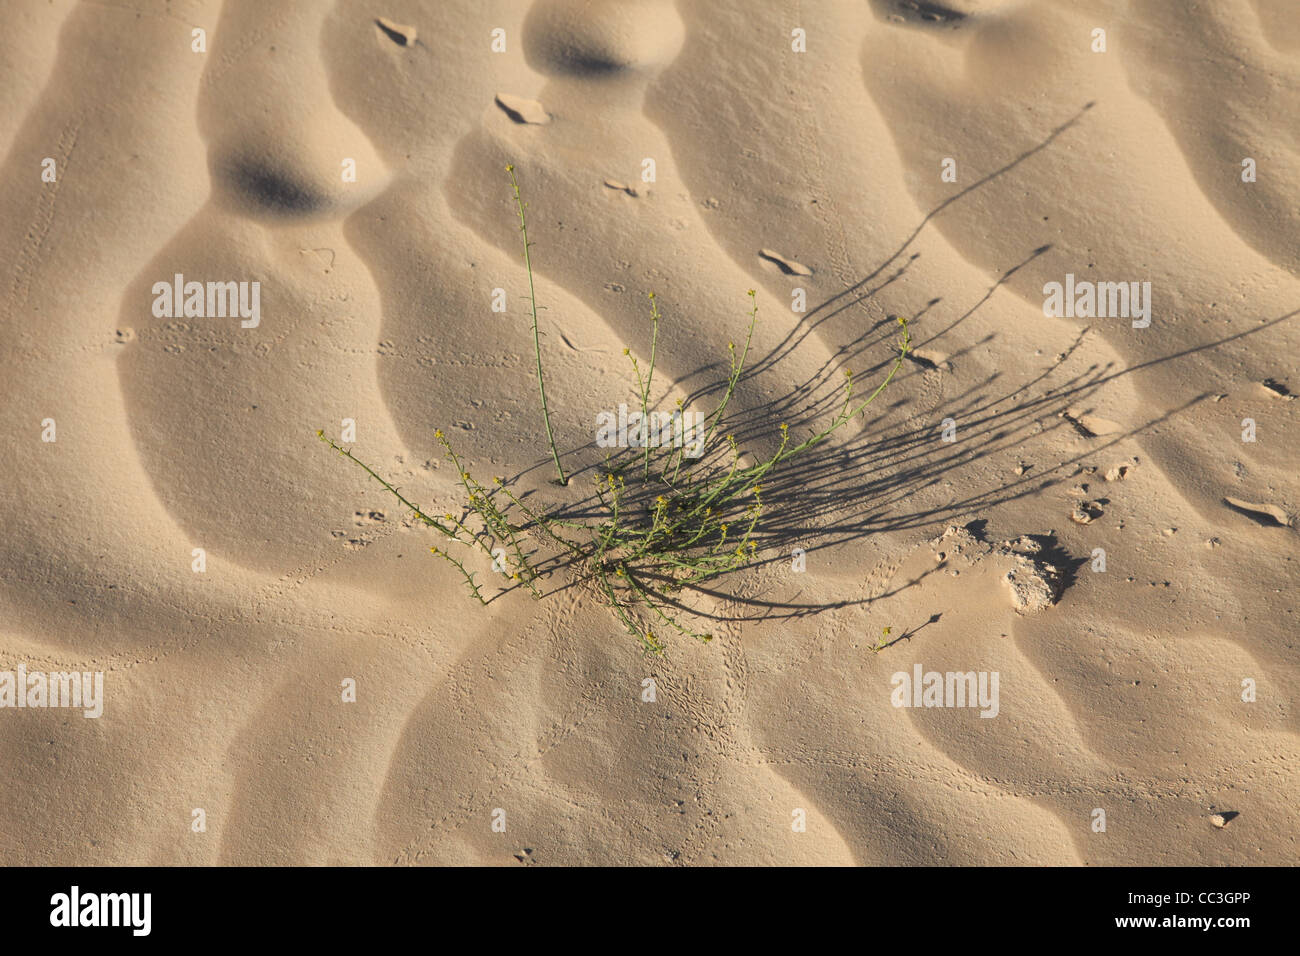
[313, 687]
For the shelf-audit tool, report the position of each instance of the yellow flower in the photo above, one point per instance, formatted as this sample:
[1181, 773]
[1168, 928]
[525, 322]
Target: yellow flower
[437, 433]
[510, 167]
[625, 352]
[320, 433]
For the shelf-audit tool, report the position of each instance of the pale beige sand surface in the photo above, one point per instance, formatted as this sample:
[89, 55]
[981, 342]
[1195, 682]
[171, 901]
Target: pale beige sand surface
[774, 170]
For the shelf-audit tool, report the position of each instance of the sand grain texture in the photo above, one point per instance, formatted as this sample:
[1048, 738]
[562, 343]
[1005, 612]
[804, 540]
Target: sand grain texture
[1120, 689]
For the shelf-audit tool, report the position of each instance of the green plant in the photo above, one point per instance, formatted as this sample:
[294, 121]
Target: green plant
[677, 525]
[532, 304]
[883, 640]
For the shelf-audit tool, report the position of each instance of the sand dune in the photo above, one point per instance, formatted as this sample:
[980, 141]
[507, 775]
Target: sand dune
[942, 162]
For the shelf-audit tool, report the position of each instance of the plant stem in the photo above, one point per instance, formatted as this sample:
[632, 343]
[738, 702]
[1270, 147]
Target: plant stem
[537, 344]
[645, 395]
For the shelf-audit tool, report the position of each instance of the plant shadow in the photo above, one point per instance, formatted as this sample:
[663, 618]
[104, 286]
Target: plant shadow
[887, 476]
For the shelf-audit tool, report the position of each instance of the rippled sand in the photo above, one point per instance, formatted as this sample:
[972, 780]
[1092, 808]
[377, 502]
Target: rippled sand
[774, 170]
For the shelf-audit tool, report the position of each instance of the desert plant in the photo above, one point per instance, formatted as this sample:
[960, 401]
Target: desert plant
[532, 305]
[677, 524]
